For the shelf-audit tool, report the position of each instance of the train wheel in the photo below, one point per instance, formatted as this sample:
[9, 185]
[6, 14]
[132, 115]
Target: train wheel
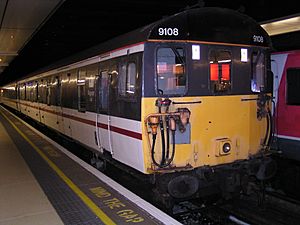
[101, 165]
[163, 200]
[98, 163]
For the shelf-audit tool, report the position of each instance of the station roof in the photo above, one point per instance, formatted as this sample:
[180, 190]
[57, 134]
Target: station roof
[19, 21]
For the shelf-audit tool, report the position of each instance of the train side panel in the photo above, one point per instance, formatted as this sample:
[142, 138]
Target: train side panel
[73, 103]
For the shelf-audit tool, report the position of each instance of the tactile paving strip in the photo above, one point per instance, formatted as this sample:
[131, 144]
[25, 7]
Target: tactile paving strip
[67, 204]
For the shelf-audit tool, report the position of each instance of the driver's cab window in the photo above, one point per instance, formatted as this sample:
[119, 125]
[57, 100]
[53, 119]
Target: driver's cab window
[171, 70]
[220, 70]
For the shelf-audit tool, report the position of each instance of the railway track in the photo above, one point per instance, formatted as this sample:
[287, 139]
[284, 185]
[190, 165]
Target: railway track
[275, 209]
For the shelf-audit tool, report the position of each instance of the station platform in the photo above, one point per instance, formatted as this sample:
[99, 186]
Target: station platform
[43, 183]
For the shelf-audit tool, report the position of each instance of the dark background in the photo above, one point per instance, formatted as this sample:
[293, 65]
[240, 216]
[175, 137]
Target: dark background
[78, 25]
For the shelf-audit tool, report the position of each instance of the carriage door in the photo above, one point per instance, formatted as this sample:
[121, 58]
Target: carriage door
[103, 136]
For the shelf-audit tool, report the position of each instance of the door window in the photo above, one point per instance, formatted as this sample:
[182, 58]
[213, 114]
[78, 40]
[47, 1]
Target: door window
[258, 71]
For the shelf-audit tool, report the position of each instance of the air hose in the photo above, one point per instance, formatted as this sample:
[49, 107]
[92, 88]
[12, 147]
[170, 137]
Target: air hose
[167, 160]
[268, 135]
[163, 146]
[152, 150]
[168, 138]
[269, 115]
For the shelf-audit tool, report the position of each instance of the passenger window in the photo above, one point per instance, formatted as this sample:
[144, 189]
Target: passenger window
[23, 92]
[53, 95]
[293, 86]
[220, 70]
[36, 91]
[30, 89]
[57, 91]
[121, 79]
[42, 91]
[91, 74]
[18, 92]
[258, 71]
[81, 90]
[48, 93]
[170, 69]
[127, 77]
[104, 88]
[131, 78]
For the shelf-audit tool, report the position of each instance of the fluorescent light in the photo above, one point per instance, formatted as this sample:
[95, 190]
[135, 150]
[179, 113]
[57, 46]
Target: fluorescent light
[224, 61]
[282, 25]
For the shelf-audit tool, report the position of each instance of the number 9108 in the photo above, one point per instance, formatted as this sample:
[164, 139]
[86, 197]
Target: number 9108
[168, 31]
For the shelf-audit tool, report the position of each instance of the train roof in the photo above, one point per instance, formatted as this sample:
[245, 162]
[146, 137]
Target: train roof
[208, 24]
[213, 25]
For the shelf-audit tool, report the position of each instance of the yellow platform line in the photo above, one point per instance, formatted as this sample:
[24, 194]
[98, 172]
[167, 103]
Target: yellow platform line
[88, 202]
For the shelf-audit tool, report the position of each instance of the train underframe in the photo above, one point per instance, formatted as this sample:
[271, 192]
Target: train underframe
[224, 181]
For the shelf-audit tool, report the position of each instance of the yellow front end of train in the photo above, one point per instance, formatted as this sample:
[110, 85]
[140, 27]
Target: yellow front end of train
[220, 130]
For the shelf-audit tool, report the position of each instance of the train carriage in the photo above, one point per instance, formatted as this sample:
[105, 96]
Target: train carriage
[185, 101]
[286, 69]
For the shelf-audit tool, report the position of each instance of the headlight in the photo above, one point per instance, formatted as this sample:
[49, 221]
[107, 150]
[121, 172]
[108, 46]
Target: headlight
[226, 147]
[223, 147]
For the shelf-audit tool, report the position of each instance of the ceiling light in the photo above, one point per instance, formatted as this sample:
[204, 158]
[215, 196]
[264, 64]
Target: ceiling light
[282, 25]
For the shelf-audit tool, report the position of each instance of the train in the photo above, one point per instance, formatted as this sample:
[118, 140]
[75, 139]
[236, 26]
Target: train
[185, 102]
[286, 68]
